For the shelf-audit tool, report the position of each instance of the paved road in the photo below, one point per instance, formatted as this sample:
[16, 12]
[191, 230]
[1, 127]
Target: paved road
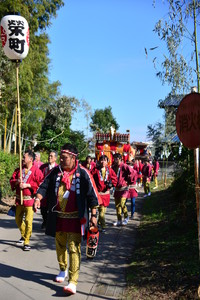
[30, 275]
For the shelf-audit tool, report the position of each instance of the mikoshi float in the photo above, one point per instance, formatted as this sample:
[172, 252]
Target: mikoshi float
[114, 142]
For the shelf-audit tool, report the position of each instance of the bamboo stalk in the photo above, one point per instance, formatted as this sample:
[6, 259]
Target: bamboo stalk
[11, 128]
[19, 126]
[165, 180]
[5, 132]
[0, 139]
[15, 148]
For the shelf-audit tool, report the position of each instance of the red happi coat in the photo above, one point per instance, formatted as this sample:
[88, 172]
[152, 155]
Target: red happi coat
[136, 167]
[140, 169]
[125, 177]
[45, 171]
[132, 193]
[146, 172]
[156, 167]
[34, 177]
[91, 166]
[102, 188]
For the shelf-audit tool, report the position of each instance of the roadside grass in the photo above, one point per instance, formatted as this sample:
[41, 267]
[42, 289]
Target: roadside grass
[165, 263]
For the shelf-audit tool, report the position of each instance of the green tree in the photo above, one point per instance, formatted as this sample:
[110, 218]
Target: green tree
[57, 122]
[156, 134]
[178, 69]
[87, 113]
[7, 91]
[78, 138]
[102, 120]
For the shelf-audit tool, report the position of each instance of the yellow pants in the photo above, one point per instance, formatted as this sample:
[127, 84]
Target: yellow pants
[24, 225]
[101, 220]
[120, 205]
[73, 240]
[156, 181]
[147, 188]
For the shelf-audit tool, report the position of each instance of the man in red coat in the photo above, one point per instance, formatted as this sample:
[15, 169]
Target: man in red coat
[104, 178]
[31, 179]
[146, 176]
[46, 169]
[125, 177]
[156, 167]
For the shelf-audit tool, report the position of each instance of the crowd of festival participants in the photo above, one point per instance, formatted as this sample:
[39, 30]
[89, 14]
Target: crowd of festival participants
[65, 190]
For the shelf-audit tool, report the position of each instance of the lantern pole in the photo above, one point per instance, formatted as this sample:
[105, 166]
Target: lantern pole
[19, 128]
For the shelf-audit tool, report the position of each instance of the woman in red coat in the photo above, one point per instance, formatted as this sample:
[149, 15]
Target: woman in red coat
[133, 191]
[89, 164]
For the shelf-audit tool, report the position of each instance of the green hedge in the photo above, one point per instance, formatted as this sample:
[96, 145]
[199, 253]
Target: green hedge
[8, 163]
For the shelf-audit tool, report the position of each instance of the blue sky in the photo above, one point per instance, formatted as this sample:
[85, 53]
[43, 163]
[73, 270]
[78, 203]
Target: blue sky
[97, 53]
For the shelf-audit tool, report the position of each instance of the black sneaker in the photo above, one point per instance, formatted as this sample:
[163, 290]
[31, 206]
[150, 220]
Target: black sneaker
[20, 242]
[27, 248]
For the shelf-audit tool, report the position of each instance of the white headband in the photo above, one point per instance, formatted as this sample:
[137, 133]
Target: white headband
[67, 151]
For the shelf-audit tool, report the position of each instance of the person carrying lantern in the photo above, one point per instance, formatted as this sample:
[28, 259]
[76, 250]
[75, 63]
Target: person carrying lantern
[27, 187]
[70, 192]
